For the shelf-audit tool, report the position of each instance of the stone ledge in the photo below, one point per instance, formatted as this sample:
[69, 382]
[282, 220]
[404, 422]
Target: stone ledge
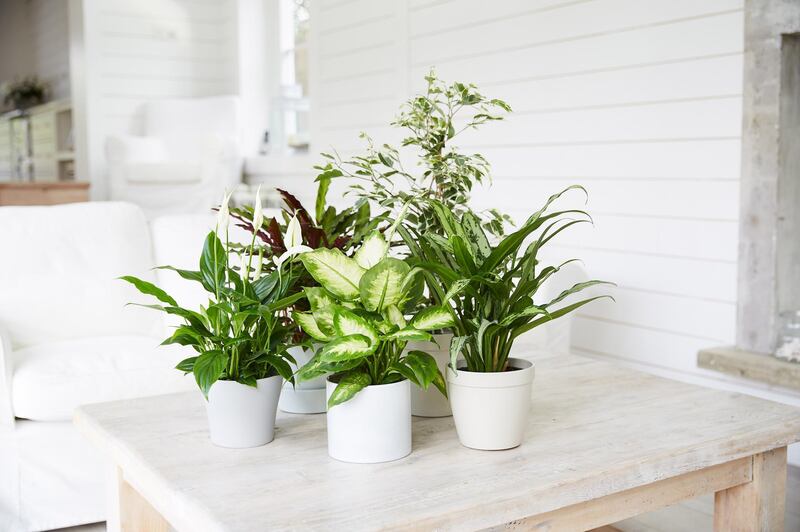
[750, 365]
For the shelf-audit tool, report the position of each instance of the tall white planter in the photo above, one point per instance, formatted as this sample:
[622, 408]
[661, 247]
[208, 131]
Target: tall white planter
[374, 426]
[242, 416]
[307, 397]
[431, 402]
[490, 410]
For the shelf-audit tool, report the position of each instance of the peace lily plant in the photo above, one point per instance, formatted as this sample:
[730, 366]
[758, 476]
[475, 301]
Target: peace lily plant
[241, 336]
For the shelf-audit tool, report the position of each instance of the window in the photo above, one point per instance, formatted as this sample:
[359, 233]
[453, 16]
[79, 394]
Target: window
[291, 106]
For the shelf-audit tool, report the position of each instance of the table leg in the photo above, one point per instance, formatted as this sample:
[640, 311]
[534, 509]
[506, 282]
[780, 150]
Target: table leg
[135, 513]
[757, 505]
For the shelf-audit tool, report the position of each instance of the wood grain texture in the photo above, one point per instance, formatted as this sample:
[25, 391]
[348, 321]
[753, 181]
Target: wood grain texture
[750, 365]
[628, 503]
[43, 193]
[758, 505]
[595, 430]
[136, 514]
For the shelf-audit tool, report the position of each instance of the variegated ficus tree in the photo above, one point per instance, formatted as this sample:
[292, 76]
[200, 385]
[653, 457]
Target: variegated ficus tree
[362, 315]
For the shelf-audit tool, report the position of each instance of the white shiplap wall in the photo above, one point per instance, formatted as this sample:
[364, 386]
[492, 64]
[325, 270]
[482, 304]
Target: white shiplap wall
[146, 50]
[638, 100]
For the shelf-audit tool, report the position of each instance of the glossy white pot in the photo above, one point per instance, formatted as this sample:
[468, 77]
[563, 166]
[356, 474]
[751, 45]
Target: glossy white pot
[307, 397]
[490, 410]
[374, 426]
[431, 402]
[242, 416]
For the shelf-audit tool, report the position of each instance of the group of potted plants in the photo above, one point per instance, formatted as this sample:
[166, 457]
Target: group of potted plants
[361, 305]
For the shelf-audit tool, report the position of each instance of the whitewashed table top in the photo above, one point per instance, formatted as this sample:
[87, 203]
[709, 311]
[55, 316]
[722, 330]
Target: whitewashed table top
[595, 429]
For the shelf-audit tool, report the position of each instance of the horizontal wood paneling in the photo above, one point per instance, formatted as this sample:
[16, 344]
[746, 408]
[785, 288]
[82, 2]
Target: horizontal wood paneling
[638, 100]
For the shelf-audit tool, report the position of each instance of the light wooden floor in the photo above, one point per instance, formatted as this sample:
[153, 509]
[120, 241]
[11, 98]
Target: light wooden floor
[690, 516]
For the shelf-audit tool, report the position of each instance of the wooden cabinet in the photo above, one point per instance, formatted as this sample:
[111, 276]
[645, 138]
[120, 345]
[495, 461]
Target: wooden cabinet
[43, 193]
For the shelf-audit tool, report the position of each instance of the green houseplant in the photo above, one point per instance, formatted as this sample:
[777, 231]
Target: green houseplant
[24, 93]
[362, 315]
[298, 229]
[431, 121]
[241, 337]
[490, 288]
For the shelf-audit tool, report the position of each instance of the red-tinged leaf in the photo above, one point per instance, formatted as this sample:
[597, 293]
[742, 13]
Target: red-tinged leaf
[341, 241]
[274, 237]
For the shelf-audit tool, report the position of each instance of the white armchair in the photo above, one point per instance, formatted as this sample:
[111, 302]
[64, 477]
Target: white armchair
[189, 154]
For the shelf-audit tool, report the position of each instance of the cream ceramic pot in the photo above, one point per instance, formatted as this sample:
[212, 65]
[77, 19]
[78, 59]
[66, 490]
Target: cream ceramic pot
[490, 410]
[306, 397]
[242, 416]
[374, 426]
[431, 402]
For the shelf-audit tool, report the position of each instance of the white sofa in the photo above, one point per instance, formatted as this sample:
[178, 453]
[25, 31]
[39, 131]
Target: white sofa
[68, 338]
[188, 155]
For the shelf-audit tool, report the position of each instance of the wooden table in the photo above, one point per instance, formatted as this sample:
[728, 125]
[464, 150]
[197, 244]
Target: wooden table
[43, 193]
[604, 443]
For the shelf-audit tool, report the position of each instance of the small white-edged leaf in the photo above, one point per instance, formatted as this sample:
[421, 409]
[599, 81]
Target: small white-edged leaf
[395, 317]
[346, 348]
[432, 318]
[309, 325]
[456, 288]
[372, 250]
[382, 285]
[347, 323]
[410, 334]
[338, 274]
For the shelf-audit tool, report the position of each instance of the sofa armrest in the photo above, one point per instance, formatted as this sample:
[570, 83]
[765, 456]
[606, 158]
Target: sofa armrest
[6, 372]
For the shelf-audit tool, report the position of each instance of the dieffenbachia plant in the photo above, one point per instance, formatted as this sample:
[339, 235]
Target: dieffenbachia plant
[360, 319]
[244, 332]
[490, 288]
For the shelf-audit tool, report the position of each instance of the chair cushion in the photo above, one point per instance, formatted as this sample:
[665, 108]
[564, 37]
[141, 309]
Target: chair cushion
[51, 379]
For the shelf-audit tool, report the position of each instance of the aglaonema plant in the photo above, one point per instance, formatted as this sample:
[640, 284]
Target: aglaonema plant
[362, 315]
[244, 332]
[489, 288]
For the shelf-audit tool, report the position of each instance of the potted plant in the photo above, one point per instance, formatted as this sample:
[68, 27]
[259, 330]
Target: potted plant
[491, 290]
[242, 337]
[359, 318]
[25, 93]
[431, 122]
[297, 230]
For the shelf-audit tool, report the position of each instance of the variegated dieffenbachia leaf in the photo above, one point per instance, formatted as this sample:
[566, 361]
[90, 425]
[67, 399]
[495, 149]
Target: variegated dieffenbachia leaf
[310, 326]
[349, 385]
[382, 285]
[432, 318]
[347, 348]
[410, 334]
[346, 323]
[337, 273]
[372, 250]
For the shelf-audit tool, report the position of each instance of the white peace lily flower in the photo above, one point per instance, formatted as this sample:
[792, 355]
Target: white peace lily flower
[223, 216]
[294, 234]
[244, 273]
[291, 252]
[258, 215]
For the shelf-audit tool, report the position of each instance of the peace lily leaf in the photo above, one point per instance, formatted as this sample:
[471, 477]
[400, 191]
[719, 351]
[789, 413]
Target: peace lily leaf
[208, 368]
[149, 289]
[213, 263]
[382, 284]
[309, 325]
[372, 250]
[530, 311]
[186, 365]
[337, 273]
[347, 348]
[349, 385]
[410, 334]
[432, 318]
[346, 323]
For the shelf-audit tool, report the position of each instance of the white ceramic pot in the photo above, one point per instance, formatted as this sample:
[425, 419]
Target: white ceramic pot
[490, 410]
[374, 426]
[242, 416]
[307, 397]
[431, 402]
